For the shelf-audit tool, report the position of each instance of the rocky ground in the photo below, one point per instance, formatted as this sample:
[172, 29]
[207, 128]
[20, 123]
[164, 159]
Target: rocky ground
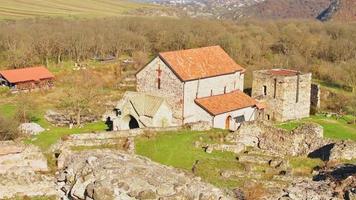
[99, 171]
[108, 174]
[23, 171]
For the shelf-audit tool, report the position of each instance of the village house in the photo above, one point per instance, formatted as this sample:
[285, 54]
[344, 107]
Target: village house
[202, 84]
[285, 93]
[27, 78]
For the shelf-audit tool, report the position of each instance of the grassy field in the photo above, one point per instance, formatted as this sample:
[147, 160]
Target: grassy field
[333, 128]
[19, 9]
[178, 150]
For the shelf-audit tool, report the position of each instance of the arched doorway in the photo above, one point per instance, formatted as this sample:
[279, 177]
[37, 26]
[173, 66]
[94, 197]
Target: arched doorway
[129, 122]
[227, 122]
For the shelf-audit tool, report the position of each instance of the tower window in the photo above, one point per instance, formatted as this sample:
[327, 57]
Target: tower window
[264, 90]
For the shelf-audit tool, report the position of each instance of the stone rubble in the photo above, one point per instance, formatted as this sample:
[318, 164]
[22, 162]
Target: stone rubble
[264, 136]
[333, 183]
[59, 119]
[101, 174]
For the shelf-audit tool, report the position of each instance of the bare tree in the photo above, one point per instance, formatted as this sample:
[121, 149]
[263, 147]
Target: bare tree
[81, 96]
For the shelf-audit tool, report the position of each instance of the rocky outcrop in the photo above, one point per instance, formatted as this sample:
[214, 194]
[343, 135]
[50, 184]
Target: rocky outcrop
[107, 174]
[22, 169]
[328, 13]
[19, 157]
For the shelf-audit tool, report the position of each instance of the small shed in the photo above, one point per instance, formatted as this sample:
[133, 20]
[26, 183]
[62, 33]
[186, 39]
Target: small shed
[27, 78]
[140, 110]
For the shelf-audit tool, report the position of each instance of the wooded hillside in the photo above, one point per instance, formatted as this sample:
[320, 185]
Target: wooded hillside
[326, 49]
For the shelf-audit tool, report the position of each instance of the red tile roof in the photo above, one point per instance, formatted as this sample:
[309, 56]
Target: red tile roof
[26, 74]
[283, 72]
[199, 63]
[219, 104]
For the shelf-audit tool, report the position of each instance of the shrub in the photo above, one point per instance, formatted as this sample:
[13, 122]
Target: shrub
[4, 91]
[8, 129]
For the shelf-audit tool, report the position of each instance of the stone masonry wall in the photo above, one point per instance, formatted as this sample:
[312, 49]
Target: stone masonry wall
[282, 103]
[171, 86]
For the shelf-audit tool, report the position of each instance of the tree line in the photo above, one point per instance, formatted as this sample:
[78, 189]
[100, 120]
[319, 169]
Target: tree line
[326, 49]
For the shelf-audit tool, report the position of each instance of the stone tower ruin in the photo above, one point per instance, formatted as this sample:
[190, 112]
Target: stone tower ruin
[286, 93]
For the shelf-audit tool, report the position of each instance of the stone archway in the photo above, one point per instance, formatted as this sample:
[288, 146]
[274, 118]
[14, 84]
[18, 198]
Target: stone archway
[129, 122]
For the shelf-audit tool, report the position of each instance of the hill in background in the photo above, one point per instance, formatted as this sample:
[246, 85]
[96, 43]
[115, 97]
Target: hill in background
[346, 12]
[341, 10]
[283, 9]
[19, 9]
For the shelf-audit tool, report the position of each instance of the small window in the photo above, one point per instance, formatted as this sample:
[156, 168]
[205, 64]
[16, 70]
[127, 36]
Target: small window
[225, 90]
[265, 90]
[275, 88]
[159, 83]
[240, 119]
[117, 112]
[211, 92]
[268, 117]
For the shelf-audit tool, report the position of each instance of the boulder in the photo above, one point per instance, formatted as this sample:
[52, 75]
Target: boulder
[345, 150]
[31, 128]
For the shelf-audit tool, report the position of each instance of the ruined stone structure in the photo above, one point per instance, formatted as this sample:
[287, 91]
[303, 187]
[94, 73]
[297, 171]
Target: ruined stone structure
[286, 93]
[202, 84]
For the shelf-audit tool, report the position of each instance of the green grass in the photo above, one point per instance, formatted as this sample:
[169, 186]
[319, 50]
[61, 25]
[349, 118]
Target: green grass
[333, 128]
[177, 150]
[19, 9]
[303, 166]
[53, 134]
[7, 110]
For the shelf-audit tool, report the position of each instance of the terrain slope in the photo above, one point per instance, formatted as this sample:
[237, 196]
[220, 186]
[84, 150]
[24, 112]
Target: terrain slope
[19, 9]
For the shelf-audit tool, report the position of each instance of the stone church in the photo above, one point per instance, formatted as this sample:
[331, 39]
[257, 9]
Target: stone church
[202, 84]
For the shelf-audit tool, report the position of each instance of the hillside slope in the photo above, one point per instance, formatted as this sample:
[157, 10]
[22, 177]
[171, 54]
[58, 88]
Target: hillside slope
[346, 12]
[17, 9]
[282, 9]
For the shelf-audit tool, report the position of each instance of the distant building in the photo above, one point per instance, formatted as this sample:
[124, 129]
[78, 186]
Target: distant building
[27, 78]
[285, 93]
[202, 84]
